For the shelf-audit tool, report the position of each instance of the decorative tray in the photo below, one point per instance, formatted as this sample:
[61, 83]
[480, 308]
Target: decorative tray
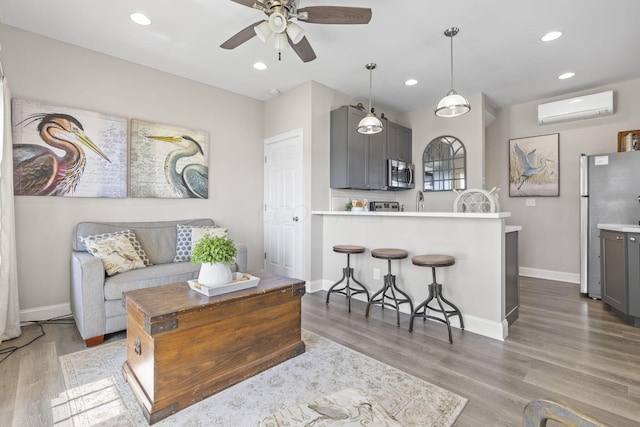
[240, 281]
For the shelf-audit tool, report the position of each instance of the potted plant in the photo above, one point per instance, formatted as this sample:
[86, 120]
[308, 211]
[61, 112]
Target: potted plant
[215, 254]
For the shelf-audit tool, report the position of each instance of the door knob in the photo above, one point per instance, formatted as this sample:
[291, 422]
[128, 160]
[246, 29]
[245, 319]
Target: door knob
[295, 218]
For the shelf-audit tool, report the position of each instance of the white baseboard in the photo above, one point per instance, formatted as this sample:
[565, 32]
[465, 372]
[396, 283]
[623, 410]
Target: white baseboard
[45, 313]
[560, 276]
[495, 330]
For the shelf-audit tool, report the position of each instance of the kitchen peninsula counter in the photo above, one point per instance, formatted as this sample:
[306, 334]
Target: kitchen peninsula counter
[476, 283]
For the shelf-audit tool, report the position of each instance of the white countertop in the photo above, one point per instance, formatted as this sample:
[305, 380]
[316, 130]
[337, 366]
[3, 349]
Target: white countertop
[420, 214]
[512, 228]
[624, 228]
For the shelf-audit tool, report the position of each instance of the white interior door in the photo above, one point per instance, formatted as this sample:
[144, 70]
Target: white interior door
[283, 234]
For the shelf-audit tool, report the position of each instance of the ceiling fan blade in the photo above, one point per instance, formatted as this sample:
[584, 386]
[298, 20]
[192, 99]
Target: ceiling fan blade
[248, 3]
[241, 37]
[303, 49]
[336, 15]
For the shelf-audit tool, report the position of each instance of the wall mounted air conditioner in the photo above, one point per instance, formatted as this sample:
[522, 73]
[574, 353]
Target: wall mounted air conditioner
[581, 107]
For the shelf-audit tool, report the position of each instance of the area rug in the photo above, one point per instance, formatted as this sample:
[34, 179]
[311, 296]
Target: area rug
[97, 395]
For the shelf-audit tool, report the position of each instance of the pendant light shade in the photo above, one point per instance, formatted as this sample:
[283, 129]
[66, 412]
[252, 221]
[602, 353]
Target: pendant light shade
[453, 104]
[370, 124]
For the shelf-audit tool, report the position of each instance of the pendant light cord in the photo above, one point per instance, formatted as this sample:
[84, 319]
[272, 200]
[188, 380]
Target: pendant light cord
[370, 85]
[451, 39]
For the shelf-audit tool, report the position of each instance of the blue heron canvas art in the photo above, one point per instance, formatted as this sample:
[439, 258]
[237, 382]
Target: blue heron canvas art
[533, 166]
[168, 161]
[61, 151]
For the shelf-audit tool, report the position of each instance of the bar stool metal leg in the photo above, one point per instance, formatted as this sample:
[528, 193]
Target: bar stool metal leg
[435, 293]
[391, 287]
[347, 290]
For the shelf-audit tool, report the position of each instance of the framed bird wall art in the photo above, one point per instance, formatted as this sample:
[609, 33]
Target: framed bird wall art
[64, 151]
[168, 161]
[534, 166]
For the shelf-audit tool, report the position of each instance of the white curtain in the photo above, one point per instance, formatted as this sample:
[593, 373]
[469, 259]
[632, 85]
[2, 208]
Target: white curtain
[9, 309]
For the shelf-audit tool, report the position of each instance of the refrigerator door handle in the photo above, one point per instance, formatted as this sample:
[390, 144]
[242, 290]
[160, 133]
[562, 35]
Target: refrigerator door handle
[584, 175]
[584, 244]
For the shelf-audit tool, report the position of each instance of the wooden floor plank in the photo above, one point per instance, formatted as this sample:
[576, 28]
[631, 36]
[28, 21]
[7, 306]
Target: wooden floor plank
[564, 347]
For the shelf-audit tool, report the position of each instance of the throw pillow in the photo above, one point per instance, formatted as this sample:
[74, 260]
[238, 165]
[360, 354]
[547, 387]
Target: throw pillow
[199, 232]
[117, 254]
[129, 234]
[184, 240]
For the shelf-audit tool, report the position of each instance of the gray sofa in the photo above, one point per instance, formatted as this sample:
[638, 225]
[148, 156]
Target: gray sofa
[96, 299]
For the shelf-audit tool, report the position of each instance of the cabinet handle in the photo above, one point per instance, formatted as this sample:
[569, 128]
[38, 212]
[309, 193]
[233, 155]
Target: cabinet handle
[618, 238]
[632, 239]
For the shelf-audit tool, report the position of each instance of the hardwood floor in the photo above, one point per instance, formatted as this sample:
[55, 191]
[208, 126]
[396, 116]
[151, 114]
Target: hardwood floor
[563, 347]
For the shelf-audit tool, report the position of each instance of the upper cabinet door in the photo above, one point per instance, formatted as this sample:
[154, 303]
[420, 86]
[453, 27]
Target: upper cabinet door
[404, 144]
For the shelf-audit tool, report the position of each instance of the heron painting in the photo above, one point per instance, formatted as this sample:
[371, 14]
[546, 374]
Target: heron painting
[533, 166]
[60, 151]
[168, 161]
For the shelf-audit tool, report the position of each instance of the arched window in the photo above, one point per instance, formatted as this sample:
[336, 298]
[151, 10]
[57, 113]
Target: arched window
[444, 165]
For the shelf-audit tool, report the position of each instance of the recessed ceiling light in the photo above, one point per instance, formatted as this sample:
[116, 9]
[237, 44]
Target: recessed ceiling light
[411, 82]
[566, 76]
[260, 66]
[140, 18]
[551, 35]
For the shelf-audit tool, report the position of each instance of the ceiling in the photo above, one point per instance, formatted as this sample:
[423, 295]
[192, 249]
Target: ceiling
[498, 50]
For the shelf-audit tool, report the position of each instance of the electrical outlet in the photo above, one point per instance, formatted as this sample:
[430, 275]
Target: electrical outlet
[376, 274]
[530, 202]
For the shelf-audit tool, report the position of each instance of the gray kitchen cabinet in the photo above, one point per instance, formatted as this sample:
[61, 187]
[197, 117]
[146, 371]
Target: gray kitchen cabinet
[620, 272]
[398, 142]
[633, 275]
[512, 277]
[357, 161]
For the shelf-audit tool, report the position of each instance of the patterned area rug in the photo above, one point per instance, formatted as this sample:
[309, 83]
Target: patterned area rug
[97, 395]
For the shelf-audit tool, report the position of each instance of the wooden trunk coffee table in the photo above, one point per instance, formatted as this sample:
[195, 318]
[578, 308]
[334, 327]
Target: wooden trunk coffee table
[183, 346]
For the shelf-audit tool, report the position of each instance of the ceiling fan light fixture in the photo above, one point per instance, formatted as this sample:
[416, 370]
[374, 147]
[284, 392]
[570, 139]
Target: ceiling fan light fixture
[453, 104]
[281, 41]
[370, 124]
[295, 32]
[263, 31]
[277, 22]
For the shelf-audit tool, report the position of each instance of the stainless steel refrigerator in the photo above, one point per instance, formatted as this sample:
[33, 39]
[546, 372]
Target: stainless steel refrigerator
[609, 194]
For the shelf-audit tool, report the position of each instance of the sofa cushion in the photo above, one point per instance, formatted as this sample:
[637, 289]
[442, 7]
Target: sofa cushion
[128, 233]
[157, 238]
[155, 275]
[185, 239]
[116, 252]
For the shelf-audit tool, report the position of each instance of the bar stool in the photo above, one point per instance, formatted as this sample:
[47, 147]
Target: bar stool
[435, 292]
[389, 283]
[347, 273]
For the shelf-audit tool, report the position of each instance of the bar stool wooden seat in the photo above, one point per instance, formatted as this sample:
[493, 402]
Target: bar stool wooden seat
[347, 273]
[435, 292]
[389, 289]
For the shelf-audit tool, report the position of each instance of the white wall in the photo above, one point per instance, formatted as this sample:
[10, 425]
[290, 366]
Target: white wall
[46, 70]
[308, 107]
[549, 240]
[426, 126]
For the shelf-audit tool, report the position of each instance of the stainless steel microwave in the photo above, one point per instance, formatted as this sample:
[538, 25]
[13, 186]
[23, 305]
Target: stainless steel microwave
[399, 175]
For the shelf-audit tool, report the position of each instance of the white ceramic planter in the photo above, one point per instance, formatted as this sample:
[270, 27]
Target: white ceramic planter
[217, 274]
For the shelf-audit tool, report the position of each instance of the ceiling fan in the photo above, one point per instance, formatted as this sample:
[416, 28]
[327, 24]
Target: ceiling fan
[279, 14]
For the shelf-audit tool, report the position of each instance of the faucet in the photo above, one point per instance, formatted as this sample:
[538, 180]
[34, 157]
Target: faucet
[419, 198]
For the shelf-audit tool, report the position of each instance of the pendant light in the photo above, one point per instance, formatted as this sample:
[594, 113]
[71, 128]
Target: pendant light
[453, 104]
[370, 124]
